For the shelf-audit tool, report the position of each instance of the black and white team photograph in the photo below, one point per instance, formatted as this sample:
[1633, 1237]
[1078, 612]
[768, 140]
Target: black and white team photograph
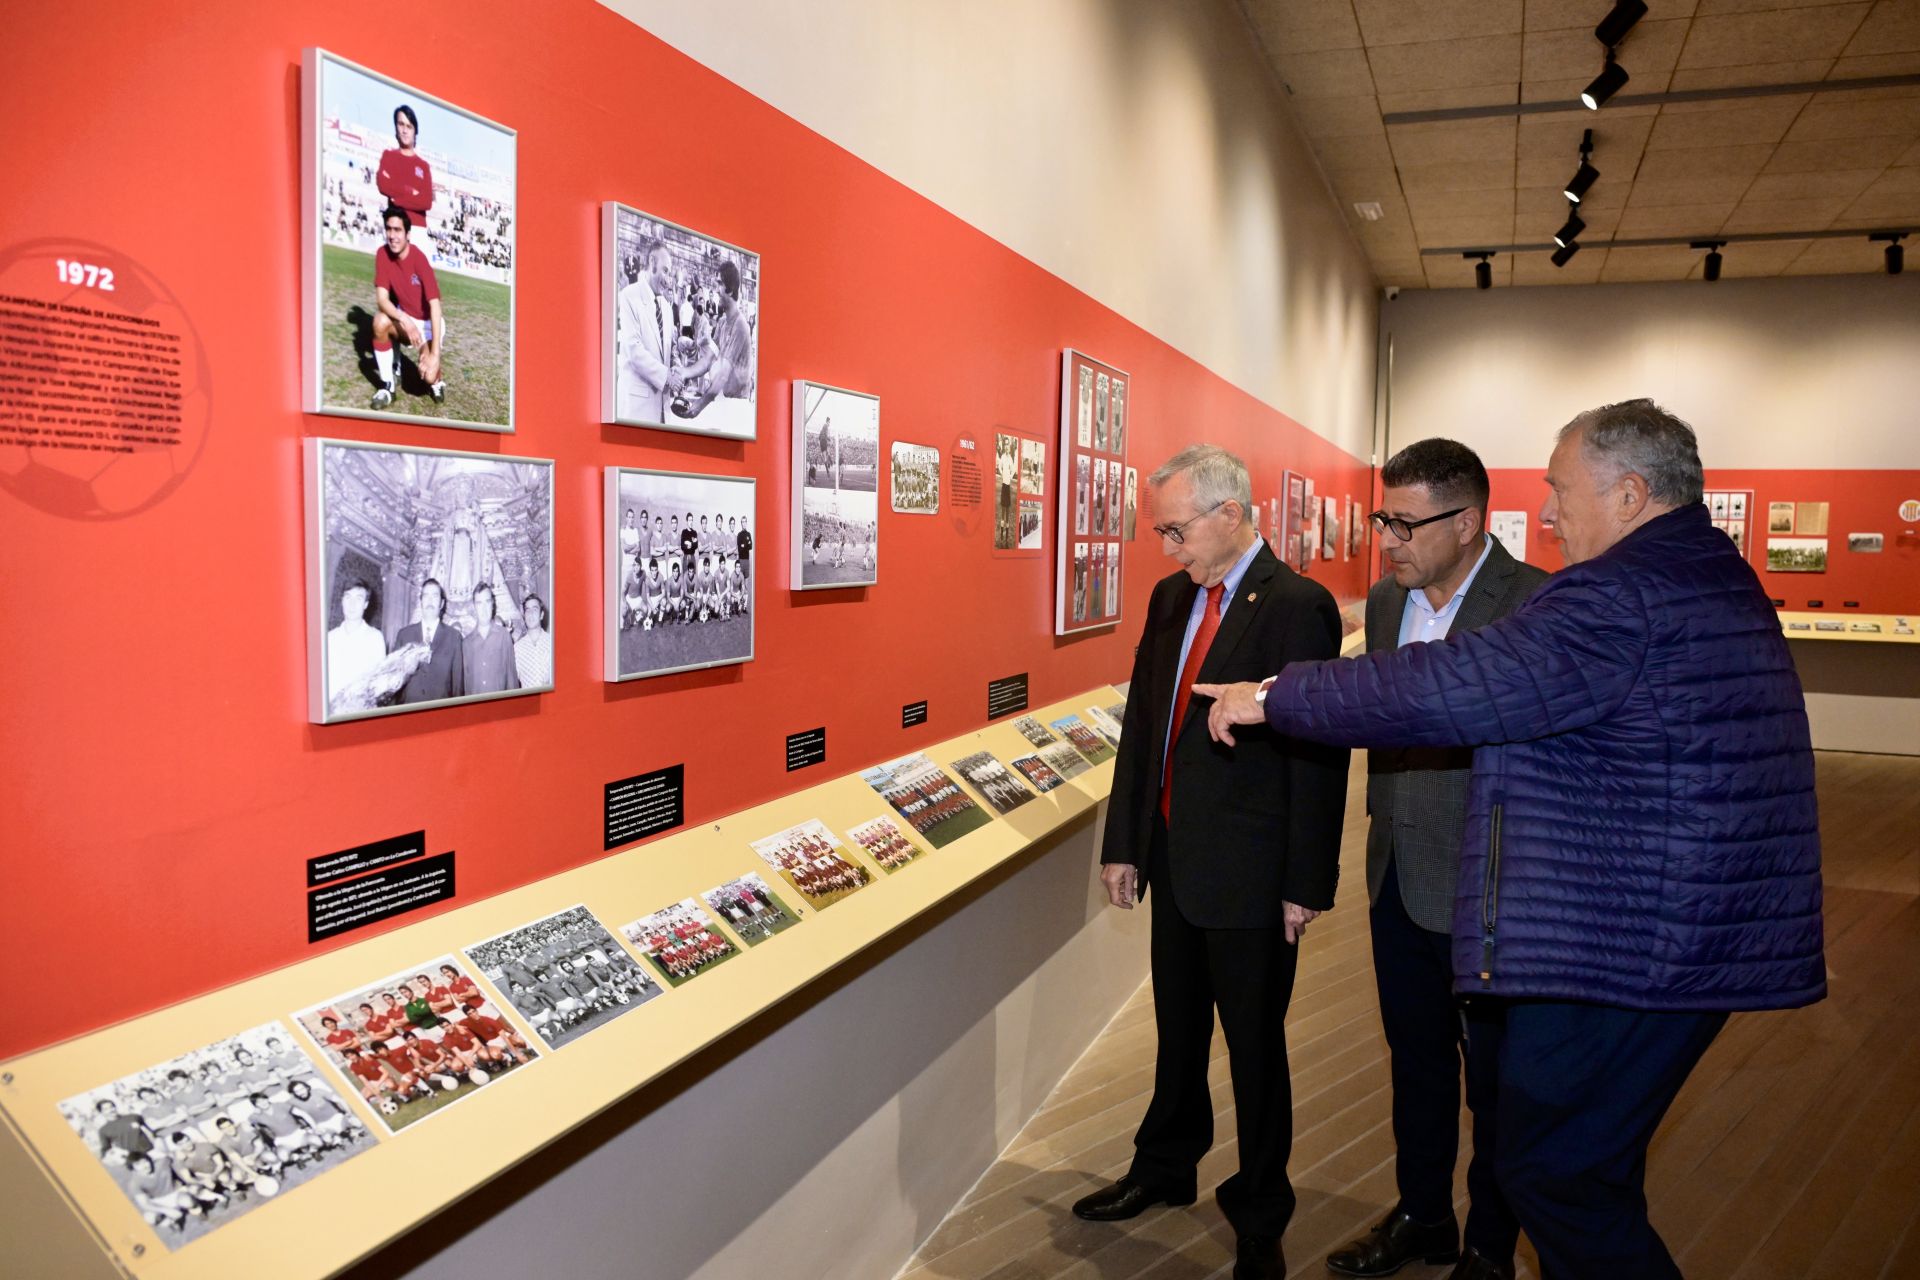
[932, 803]
[1082, 493]
[409, 245]
[811, 859]
[885, 843]
[1033, 731]
[204, 1138]
[680, 940]
[1000, 786]
[836, 481]
[1063, 759]
[680, 319]
[680, 572]
[1080, 578]
[1132, 502]
[429, 578]
[418, 1041]
[751, 909]
[916, 479]
[565, 975]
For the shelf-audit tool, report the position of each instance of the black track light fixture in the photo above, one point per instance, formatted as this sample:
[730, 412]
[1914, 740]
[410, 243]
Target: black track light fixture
[1584, 176]
[1564, 254]
[1482, 269]
[1710, 271]
[1896, 252]
[1612, 78]
[1568, 234]
[1619, 20]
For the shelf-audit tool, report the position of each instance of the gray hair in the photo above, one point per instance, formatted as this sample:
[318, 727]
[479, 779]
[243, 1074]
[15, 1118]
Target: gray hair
[1216, 475]
[1641, 438]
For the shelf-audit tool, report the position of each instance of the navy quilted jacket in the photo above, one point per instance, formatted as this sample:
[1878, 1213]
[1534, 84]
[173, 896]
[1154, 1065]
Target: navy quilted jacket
[1641, 828]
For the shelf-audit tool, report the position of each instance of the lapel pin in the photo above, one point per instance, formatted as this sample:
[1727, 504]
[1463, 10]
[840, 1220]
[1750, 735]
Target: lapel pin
[1252, 596]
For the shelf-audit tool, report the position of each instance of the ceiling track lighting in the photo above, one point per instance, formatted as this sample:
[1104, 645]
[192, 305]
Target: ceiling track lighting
[1482, 269]
[1583, 177]
[1619, 20]
[1564, 254]
[1711, 270]
[1612, 78]
[1896, 253]
[1568, 234]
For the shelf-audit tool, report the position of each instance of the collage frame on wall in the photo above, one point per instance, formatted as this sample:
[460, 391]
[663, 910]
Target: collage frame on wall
[696, 370]
[367, 536]
[371, 349]
[1095, 401]
[835, 499]
[655, 625]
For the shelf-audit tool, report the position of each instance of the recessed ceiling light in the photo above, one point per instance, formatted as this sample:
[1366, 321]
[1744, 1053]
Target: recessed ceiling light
[1369, 210]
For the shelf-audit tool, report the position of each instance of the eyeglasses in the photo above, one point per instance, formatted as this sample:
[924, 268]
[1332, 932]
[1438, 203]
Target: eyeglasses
[1176, 533]
[1403, 529]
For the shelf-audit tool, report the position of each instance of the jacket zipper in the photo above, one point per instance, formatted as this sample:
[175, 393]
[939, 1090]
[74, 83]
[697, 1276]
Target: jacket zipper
[1490, 900]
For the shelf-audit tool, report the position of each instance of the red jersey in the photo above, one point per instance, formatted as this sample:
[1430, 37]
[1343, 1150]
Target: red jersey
[366, 1069]
[466, 992]
[484, 1027]
[377, 1023]
[343, 1038]
[455, 1037]
[408, 182]
[409, 281]
[400, 1058]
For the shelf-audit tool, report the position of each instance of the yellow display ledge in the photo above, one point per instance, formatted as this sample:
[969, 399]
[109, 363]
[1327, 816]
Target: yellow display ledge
[1880, 628]
[323, 1226]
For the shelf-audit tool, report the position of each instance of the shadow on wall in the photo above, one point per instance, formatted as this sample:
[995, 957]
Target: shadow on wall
[753, 1149]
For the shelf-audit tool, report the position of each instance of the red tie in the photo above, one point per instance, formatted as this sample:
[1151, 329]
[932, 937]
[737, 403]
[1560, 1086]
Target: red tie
[1196, 654]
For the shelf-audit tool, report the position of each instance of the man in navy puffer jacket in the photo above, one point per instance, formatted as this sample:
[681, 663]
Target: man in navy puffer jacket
[1642, 852]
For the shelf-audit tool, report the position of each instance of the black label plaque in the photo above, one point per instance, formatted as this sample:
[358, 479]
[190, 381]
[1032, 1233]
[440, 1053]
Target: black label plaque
[645, 803]
[355, 904]
[913, 713]
[806, 748]
[367, 857]
[1006, 695]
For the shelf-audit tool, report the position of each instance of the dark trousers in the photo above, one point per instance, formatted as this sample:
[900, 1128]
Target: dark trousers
[1430, 1036]
[1248, 974]
[1582, 1088]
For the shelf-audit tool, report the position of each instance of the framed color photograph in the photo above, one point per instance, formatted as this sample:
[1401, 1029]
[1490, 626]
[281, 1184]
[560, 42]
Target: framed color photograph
[679, 572]
[679, 327]
[565, 975]
[201, 1139]
[1095, 494]
[407, 249]
[836, 488]
[429, 577]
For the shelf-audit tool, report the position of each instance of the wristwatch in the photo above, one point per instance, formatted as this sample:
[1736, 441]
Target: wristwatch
[1260, 694]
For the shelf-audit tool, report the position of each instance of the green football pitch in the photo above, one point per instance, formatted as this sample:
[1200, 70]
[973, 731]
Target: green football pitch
[477, 355]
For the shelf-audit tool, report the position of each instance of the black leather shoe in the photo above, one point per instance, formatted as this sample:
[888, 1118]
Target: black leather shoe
[1395, 1242]
[1475, 1265]
[1125, 1199]
[1259, 1258]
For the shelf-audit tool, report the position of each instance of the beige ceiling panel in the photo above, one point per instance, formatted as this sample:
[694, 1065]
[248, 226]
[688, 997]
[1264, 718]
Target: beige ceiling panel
[1836, 185]
[1840, 153]
[1892, 27]
[1329, 73]
[1617, 139]
[1850, 256]
[1416, 278]
[1353, 185]
[1322, 118]
[1457, 273]
[1442, 233]
[1688, 130]
[1364, 151]
[1886, 93]
[1878, 64]
[1911, 156]
[1537, 268]
[1701, 220]
[1301, 26]
[1385, 22]
[1657, 195]
[1457, 175]
[1547, 15]
[1827, 119]
[1494, 203]
[1558, 55]
[1717, 7]
[1449, 140]
[1446, 64]
[1811, 213]
[1659, 263]
[1895, 196]
[1799, 72]
[1781, 35]
[1760, 258]
[1482, 95]
[1695, 163]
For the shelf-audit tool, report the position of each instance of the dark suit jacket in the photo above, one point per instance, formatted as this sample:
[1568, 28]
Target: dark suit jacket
[1418, 796]
[1252, 824]
[441, 676]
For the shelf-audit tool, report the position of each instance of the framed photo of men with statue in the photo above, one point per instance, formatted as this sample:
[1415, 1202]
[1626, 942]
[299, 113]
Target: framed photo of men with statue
[429, 578]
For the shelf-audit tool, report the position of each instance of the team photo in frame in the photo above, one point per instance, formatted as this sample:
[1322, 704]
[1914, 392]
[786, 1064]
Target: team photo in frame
[408, 228]
[680, 572]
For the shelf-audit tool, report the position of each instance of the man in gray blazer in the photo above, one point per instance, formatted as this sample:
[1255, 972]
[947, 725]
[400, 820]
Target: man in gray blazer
[1448, 575]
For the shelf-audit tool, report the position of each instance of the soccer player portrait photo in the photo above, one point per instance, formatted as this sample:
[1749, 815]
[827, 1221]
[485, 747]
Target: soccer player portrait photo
[408, 252]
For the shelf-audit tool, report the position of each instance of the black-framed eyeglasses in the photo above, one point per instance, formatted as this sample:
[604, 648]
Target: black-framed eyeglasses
[1403, 529]
[1176, 533]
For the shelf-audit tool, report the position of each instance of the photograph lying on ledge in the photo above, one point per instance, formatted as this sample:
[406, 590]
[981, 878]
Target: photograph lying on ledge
[565, 975]
[993, 780]
[680, 572]
[751, 909]
[811, 859]
[885, 843]
[681, 941]
[199, 1140]
[1084, 740]
[932, 803]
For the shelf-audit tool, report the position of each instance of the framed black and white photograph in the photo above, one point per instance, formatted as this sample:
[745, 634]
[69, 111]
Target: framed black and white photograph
[916, 479]
[680, 327]
[429, 578]
[416, 1042]
[408, 228]
[751, 909]
[1006, 491]
[679, 571]
[564, 974]
[1132, 503]
[1868, 543]
[836, 487]
[680, 940]
[210, 1135]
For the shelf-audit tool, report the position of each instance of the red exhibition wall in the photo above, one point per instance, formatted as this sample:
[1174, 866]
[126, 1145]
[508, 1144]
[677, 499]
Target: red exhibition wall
[1858, 502]
[163, 786]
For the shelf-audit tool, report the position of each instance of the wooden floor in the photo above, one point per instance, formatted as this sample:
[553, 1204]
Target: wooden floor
[1793, 1151]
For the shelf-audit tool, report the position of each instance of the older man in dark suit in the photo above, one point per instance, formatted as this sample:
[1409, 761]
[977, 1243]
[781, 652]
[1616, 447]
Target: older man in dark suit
[443, 674]
[1447, 576]
[1240, 846]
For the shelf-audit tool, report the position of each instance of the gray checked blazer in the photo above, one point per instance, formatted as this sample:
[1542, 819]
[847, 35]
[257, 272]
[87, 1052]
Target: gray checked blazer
[1417, 796]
